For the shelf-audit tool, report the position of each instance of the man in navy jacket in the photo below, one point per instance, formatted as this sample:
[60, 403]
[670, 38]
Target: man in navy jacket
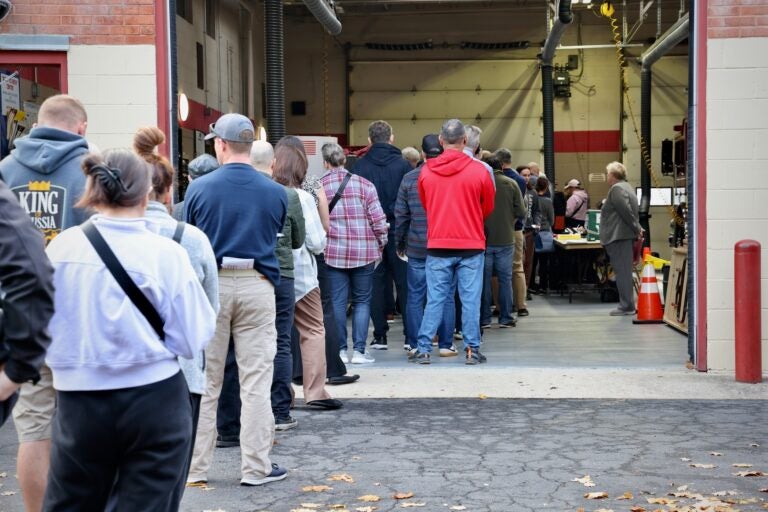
[384, 166]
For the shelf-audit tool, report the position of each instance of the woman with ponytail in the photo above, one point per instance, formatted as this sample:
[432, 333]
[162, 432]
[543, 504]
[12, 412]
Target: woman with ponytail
[123, 425]
[194, 241]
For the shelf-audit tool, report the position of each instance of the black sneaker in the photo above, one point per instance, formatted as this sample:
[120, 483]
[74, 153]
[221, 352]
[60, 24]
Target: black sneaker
[419, 357]
[511, 323]
[285, 423]
[474, 356]
[522, 312]
[227, 441]
[379, 343]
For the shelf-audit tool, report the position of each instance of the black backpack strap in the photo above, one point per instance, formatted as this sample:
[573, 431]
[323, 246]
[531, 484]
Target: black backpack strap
[123, 279]
[339, 192]
[179, 232]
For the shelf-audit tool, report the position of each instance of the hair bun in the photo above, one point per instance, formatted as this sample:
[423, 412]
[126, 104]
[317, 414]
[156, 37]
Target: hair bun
[146, 140]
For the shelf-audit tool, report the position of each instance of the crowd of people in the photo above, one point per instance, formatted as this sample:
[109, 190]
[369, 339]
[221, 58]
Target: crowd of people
[217, 306]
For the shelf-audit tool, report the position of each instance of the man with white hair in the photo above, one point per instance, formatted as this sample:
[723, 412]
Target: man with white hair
[473, 148]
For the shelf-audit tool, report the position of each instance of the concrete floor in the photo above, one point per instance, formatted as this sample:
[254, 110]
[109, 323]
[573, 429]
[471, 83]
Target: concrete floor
[563, 335]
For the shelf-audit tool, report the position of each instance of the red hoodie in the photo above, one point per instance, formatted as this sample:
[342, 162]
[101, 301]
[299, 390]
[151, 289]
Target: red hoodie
[457, 194]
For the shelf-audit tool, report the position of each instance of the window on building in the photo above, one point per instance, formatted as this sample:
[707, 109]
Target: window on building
[200, 66]
[210, 18]
[184, 9]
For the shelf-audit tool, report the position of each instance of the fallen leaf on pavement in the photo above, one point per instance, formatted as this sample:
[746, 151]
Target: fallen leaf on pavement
[703, 466]
[316, 488]
[403, 495]
[660, 501]
[337, 506]
[764, 490]
[749, 473]
[716, 454]
[342, 478]
[366, 509]
[3, 474]
[7, 493]
[311, 505]
[368, 497]
[411, 504]
[586, 480]
[302, 509]
[685, 459]
[596, 495]
[742, 465]
[458, 507]
[725, 493]
[201, 485]
[626, 496]
[604, 510]
[636, 508]
[754, 445]
[682, 488]
[482, 396]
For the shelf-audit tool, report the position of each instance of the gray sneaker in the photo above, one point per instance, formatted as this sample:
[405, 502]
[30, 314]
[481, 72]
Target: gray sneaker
[419, 357]
[622, 312]
[285, 423]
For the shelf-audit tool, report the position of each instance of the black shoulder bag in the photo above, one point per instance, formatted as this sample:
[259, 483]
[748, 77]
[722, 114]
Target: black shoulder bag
[123, 279]
[337, 196]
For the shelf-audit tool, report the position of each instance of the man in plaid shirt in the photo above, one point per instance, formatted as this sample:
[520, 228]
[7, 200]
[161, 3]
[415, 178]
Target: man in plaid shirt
[356, 239]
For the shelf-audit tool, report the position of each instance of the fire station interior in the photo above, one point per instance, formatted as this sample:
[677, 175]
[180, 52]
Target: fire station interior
[617, 76]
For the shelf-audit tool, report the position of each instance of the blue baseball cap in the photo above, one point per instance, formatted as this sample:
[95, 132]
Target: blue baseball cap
[232, 128]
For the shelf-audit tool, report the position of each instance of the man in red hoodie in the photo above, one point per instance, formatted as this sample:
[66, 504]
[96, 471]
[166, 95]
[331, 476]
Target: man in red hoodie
[457, 193]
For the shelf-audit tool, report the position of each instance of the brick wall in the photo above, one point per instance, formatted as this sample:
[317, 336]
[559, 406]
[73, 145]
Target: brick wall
[737, 18]
[112, 22]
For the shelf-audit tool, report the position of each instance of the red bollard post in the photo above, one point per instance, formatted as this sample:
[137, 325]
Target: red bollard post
[747, 308]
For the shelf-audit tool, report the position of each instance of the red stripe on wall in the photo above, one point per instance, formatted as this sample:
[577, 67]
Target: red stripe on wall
[592, 141]
[199, 117]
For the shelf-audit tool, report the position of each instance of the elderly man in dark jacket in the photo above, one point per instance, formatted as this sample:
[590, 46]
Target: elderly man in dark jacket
[384, 166]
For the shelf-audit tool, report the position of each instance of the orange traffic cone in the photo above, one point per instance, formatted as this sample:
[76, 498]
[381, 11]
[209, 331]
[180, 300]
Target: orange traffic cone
[649, 310]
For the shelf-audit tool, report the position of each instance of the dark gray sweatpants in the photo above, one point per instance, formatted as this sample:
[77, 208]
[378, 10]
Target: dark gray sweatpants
[620, 253]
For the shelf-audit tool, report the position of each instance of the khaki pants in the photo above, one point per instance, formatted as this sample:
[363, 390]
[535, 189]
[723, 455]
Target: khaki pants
[518, 271]
[247, 312]
[308, 319]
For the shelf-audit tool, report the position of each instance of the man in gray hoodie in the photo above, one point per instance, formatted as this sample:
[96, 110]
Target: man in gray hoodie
[44, 173]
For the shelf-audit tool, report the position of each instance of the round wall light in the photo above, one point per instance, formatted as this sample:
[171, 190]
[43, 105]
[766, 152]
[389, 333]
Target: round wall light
[183, 107]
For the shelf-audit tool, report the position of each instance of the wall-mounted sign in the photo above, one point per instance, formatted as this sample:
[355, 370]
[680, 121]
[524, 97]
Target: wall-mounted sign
[11, 90]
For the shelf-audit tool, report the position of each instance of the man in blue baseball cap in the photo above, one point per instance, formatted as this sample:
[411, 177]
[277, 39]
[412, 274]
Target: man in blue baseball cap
[242, 211]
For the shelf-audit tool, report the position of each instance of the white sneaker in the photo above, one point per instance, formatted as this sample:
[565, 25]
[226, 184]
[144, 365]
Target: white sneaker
[343, 356]
[449, 352]
[361, 358]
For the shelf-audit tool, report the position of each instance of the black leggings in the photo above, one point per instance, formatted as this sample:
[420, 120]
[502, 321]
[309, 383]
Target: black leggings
[133, 443]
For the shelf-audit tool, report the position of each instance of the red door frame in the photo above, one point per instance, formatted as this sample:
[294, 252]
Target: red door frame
[24, 57]
[700, 148]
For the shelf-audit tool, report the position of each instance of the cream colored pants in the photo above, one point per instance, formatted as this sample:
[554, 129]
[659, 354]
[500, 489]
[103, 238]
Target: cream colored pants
[518, 271]
[247, 312]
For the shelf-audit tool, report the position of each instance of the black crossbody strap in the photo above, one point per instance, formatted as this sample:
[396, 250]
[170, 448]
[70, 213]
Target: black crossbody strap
[123, 279]
[339, 192]
[179, 232]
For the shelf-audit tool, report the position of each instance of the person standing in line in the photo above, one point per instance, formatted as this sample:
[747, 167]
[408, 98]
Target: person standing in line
[384, 166]
[356, 240]
[545, 221]
[455, 243]
[200, 252]
[45, 175]
[619, 228]
[411, 243]
[499, 252]
[293, 237]
[518, 270]
[336, 370]
[290, 170]
[412, 155]
[473, 149]
[531, 200]
[199, 166]
[111, 364]
[26, 279]
[242, 211]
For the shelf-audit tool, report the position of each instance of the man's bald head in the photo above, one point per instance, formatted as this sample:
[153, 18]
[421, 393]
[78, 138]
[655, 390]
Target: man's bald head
[63, 112]
[262, 155]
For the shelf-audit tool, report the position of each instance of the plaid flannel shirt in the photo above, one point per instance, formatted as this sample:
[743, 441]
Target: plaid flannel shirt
[358, 231]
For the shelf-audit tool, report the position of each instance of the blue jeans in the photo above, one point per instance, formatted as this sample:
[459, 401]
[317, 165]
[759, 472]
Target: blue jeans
[283, 365]
[498, 258]
[417, 296]
[392, 266]
[359, 281]
[440, 276]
